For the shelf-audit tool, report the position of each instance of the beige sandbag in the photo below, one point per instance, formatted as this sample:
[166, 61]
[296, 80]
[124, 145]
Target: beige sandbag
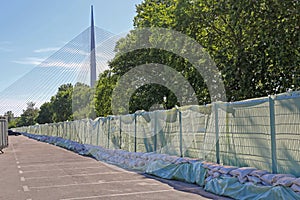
[278, 176]
[297, 181]
[242, 172]
[254, 179]
[285, 181]
[259, 173]
[268, 178]
[226, 169]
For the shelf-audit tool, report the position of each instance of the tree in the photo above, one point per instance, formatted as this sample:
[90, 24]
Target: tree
[45, 113]
[9, 116]
[28, 117]
[255, 44]
[62, 103]
[83, 101]
[103, 94]
[12, 122]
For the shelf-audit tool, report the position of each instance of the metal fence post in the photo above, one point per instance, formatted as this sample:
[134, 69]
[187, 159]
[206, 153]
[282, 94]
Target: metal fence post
[91, 131]
[108, 132]
[84, 132]
[98, 130]
[217, 132]
[135, 124]
[180, 133]
[120, 132]
[273, 134]
[155, 130]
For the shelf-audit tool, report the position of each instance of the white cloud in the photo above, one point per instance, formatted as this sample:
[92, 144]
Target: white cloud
[30, 61]
[50, 49]
[42, 62]
[63, 64]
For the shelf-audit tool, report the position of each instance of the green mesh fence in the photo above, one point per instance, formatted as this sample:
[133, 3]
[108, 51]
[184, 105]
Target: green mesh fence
[263, 133]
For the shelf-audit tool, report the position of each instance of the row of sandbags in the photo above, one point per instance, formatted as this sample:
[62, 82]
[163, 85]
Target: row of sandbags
[252, 176]
[237, 183]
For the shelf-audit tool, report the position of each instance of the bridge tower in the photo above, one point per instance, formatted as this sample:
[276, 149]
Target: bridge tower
[92, 52]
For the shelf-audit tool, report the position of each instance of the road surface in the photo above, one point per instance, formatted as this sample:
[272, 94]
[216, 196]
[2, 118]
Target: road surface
[32, 170]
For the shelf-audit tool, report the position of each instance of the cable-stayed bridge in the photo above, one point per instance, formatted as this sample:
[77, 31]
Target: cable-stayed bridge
[80, 60]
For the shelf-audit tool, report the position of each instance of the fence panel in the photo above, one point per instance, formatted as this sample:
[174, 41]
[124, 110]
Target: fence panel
[262, 133]
[244, 134]
[287, 112]
[3, 134]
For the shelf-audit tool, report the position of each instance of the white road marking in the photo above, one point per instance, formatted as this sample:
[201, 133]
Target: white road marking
[75, 175]
[25, 188]
[57, 164]
[93, 183]
[14, 151]
[22, 179]
[20, 171]
[116, 195]
[46, 170]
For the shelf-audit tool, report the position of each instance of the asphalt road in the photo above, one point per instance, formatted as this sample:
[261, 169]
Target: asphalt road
[32, 170]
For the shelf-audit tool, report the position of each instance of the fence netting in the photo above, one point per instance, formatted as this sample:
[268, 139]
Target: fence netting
[3, 133]
[262, 133]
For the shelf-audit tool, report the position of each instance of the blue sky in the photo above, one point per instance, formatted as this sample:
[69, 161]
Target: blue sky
[32, 30]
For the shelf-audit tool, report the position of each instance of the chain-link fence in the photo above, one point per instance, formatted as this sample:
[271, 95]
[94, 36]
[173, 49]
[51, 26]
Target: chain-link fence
[263, 133]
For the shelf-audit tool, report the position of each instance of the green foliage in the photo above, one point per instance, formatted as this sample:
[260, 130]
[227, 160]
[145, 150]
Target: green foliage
[151, 97]
[62, 103]
[255, 44]
[104, 89]
[68, 103]
[28, 117]
[12, 121]
[45, 114]
[83, 101]
[12, 124]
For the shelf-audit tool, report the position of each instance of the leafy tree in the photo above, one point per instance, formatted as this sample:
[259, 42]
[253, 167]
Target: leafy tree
[103, 94]
[9, 116]
[45, 113]
[83, 101]
[62, 103]
[12, 122]
[28, 117]
[255, 45]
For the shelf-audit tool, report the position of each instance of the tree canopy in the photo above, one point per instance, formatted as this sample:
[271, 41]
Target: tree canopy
[255, 45]
[28, 117]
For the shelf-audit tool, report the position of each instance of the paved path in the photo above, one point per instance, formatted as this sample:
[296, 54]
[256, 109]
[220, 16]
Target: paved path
[32, 170]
